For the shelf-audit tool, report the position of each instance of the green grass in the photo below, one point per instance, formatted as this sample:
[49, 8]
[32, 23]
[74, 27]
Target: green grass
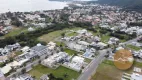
[18, 53]
[60, 43]
[107, 71]
[52, 35]
[16, 31]
[88, 60]
[1, 64]
[105, 38]
[72, 34]
[133, 47]
[39, 70]
[69, 51]
[108, 62]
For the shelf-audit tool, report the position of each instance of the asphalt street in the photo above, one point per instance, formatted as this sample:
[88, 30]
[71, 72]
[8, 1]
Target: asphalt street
[91, 69]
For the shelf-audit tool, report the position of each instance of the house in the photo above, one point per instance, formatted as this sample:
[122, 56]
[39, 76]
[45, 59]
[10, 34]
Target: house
[22, 77]
[51, 45]
[54, 59]
[44, 77]
[83, 31]
[30, 29]
[138, 54]
[89, 53]
[83, 43]
[136, 75]
[99, 45]
[13, 47]
[6, 69]
[104, 26]
[113, 40]
[2, 77]
[3, 58]
[97, 39]
[75, 46]
[39, 49]
[25, 49]
[40, 25]
[139, 32]
[75, 64]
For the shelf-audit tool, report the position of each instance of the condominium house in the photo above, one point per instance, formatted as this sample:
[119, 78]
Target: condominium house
[7, 51]
[23, 77]
[52, 60]
[44, 77]
[76, 63]
[113, 40]
[39, 49]
[2, 77]
[136, 75]
[138, 54]
[99, 45]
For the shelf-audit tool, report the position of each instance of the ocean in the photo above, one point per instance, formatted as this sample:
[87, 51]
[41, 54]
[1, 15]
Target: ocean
[29, 5]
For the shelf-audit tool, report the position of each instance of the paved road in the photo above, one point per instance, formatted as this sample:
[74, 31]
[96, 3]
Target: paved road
[133, 40]
[91, 69]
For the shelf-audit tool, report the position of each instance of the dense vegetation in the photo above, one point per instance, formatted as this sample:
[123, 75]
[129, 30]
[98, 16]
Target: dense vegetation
[30, 38]
[127, 4]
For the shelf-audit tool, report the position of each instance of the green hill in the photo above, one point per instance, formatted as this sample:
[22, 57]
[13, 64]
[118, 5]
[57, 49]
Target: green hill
[127, 4]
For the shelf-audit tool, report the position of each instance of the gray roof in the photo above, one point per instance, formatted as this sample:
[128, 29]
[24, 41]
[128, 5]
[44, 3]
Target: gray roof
[38, 48]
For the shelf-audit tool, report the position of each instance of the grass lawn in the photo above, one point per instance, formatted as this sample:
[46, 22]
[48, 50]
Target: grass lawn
[69, 51]
[133, 47]
[107, 71]
[72, 34]
[60, 43]
[88, 60]
[16, 31]
[39, 70]
[1, 64]
[18, 53]
[105, 38]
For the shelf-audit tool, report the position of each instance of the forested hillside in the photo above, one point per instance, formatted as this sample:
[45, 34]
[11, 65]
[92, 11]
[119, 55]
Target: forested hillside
[127, 4]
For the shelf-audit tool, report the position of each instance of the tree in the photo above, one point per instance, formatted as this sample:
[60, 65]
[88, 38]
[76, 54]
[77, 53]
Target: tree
[10, 40]
[23, 71]
[63, 35]
[65, 75]
[51, 76]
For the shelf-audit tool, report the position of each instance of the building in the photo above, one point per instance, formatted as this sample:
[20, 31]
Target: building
[39, 49]
[76, 63]
[44, 77]
[54, 59]
[136, 75]
[2, 77]
[23, 77]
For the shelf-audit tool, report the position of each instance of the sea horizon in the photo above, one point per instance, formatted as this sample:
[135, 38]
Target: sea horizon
[29, 5]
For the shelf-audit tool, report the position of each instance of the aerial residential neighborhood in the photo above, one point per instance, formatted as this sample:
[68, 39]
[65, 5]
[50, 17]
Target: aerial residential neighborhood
[78, 42]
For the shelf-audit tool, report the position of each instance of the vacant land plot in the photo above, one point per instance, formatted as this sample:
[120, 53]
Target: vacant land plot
[16, 31]
[53, 35]
[69, 51]
[18, 53]
[133, 47]
[107, 71]
[39, 70]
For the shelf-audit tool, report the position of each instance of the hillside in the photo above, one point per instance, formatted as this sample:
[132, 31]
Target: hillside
[127, 4]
